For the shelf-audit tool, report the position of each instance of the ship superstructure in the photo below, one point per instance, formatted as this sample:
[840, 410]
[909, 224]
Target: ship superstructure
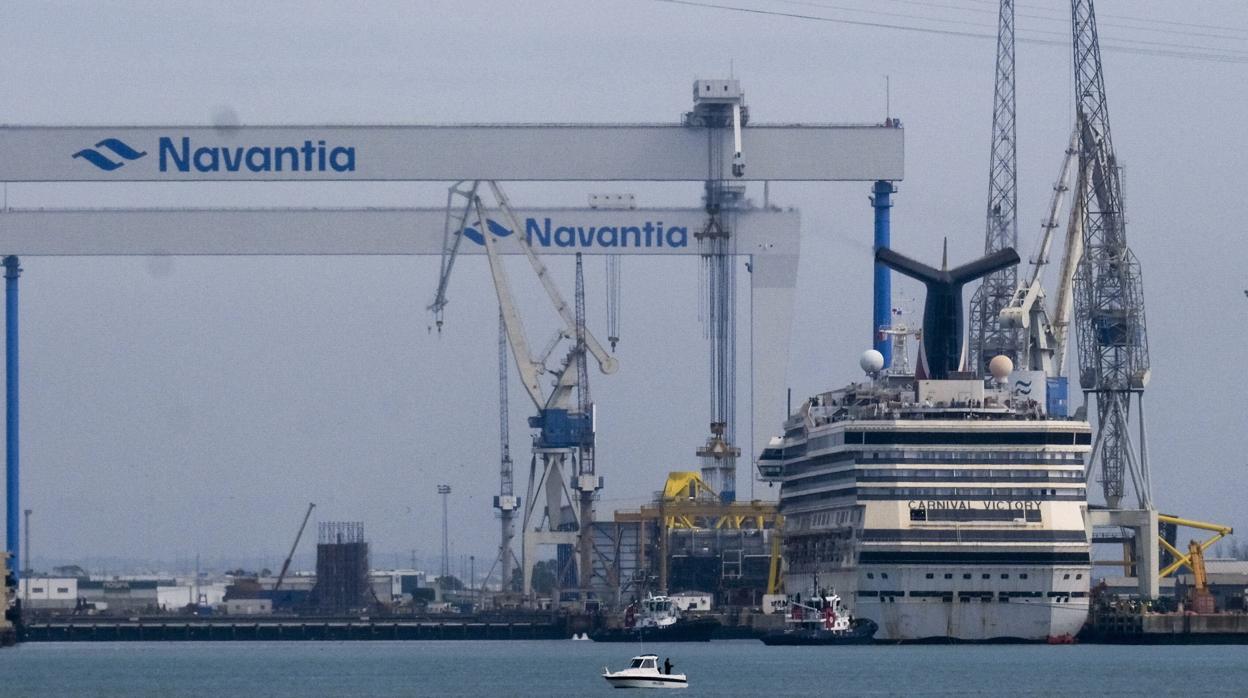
[940, 504]
[939, 508]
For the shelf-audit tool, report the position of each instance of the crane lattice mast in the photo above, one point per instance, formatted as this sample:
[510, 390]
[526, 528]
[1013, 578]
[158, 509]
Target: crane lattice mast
[505, 502]
[988, 337]
[584, 406]
[1109, 293]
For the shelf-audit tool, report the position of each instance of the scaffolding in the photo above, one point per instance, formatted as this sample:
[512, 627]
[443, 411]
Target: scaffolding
[341, 567]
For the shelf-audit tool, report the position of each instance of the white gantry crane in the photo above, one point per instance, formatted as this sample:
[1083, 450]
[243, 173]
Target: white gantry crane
[564, 442]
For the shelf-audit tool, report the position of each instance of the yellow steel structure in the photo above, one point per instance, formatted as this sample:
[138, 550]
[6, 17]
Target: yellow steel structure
[775, 571]
[1199, 598]
[687, 502]
[1196, 558]
[1185, 560]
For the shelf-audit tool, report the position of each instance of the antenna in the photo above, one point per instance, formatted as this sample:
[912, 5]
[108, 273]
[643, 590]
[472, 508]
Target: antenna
[888, 98]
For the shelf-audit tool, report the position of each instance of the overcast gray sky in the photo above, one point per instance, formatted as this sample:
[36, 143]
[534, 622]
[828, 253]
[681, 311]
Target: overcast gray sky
[191, 405]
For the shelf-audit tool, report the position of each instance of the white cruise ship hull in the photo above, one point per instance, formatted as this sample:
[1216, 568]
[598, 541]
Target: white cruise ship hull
[1049, 603]
[1023, 621]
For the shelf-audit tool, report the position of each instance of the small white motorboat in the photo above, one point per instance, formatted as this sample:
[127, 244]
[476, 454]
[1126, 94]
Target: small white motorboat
[644, 672]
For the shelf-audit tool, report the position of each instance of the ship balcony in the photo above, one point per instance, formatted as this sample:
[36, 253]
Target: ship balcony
[770, 472]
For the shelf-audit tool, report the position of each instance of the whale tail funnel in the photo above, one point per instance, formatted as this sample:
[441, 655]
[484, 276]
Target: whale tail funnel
[941, 351]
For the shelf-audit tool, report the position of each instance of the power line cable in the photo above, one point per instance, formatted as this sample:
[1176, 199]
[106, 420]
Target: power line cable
[1177, 51]
[1060, 35]
[1164, 26]
[1111, 16]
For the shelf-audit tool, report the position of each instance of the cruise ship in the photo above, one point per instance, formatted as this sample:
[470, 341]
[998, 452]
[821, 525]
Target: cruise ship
[941, 505]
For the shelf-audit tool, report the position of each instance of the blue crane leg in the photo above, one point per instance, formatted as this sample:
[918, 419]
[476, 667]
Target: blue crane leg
[882, 202]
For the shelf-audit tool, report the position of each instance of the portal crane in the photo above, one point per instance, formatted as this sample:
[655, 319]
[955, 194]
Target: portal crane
[989, 337]
[1109, 294]
[564, 425]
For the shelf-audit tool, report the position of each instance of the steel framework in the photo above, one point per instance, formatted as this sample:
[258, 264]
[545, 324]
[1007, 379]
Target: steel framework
[341, 566]
[1109, 293]
[587, 480]
[988, 337]
[716, 240]
[506, 502]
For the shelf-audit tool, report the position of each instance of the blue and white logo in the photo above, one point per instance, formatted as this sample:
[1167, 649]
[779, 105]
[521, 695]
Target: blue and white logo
[497, 228]
[118, 148]
[545, 233]
[180, 154]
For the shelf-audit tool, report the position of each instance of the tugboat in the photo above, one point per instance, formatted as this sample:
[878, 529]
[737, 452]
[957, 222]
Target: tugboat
[822, 620]
[643, 672]
[657, 619]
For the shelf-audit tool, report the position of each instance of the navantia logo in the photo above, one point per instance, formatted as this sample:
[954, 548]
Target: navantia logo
[116, 149]
[183, 155]
[495, 227]
[545, 233]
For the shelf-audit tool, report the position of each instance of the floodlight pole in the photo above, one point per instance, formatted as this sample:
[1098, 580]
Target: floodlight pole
[13, 505]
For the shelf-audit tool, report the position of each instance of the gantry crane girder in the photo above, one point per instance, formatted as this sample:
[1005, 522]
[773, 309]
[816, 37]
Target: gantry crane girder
[657, 152]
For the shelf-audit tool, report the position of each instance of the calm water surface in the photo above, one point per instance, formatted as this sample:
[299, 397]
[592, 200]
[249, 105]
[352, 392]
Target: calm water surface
[721, 668]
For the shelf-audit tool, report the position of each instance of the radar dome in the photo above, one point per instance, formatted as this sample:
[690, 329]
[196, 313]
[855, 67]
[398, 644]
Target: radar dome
[872, 361]
[1000, 367]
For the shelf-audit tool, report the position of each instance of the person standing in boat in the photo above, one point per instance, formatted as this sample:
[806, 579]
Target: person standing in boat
[667, 665]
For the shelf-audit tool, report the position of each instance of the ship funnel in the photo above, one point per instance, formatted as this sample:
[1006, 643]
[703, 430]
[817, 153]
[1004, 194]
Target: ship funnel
[941, 352]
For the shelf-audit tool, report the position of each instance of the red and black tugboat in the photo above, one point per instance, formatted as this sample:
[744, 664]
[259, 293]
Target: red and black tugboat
[821, 620]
